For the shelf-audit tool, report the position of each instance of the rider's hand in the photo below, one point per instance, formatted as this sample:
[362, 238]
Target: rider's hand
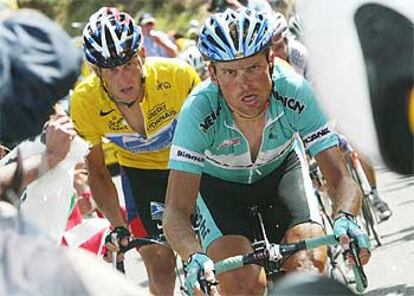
[119, 236]
[59, 134]
[200, 271]
[345, 228]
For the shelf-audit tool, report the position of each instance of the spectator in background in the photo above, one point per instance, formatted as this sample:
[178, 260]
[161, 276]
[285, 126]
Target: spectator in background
[59, 132]
[181, 41]
[38, 65]
[48, 70]
[3, 151]
[285, 47]
[262, 6]
[156, 43]
[193, 30]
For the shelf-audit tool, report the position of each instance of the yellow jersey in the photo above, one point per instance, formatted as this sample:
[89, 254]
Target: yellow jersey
[167, 84]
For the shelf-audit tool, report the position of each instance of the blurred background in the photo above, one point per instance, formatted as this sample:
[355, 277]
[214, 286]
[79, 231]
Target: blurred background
[170, 14]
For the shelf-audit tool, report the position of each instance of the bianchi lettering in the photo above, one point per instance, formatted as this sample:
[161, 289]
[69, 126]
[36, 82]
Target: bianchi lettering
[187, 155]
[210, 119]
[201, 224]
[291, 103]
[318, 134]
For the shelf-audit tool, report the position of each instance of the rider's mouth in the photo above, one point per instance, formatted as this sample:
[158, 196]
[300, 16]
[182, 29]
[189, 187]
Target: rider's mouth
[126, 90]
[249, 100]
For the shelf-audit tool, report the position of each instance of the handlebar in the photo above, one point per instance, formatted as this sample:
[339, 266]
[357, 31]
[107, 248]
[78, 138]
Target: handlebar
[139, 242]
[277, 252]
[132, 243]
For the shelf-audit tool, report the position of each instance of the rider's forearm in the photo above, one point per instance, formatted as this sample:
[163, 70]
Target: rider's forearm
[106, 197]
[346, 196]
[179, 233]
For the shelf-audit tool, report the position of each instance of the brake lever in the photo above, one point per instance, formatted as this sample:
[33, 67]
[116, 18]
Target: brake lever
[205, 285]
[360, 276]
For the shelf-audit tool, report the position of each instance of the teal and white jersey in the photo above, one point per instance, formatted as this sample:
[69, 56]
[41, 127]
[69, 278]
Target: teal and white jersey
[207, 139]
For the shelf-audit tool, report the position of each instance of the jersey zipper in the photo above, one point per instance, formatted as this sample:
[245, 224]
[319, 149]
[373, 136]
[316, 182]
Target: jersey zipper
[254, 168]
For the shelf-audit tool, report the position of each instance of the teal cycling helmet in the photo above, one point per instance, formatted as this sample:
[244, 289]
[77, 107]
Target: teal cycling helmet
[233, 35]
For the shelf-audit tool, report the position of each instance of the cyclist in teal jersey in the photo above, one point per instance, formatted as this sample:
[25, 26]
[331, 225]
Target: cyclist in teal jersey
[238, 143]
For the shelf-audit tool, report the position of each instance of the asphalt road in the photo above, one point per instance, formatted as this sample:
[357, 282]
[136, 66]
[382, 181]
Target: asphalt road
[390, 270]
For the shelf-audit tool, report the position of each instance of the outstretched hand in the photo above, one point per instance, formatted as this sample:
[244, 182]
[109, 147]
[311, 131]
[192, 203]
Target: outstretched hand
[59, 135]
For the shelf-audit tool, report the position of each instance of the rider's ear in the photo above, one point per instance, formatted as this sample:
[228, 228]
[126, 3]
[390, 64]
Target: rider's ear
[142, 55]
[270, 59]
[95, 69]
[212, 71]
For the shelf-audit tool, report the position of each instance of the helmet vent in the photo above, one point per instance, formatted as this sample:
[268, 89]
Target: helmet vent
[234, 33]
[215, 44]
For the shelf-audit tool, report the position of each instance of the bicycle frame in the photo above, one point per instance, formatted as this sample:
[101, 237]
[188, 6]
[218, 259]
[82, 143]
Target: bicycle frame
[357, 171]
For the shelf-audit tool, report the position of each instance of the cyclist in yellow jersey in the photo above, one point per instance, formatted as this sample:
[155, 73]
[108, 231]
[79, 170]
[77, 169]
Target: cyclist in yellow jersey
[134, 102]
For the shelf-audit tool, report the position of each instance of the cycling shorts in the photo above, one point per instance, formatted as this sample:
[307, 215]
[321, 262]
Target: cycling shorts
[140, 187]
[285, 198]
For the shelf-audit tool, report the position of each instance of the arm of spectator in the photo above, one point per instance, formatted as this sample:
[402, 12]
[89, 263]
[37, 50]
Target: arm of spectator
[165, 42]
[59, 134]
[234, 4]
[3, 151]
[83, 192]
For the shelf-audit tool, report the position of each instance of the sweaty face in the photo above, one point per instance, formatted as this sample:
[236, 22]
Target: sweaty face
[245, 83]
[124, 82]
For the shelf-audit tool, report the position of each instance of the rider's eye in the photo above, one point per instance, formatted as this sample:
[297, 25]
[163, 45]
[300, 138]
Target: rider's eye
[256, 68]
[229, 72]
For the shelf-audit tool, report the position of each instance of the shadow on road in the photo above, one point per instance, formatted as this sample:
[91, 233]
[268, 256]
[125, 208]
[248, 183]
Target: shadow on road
[400, 290]
[409, 235]
[394, 186]
[407, 202]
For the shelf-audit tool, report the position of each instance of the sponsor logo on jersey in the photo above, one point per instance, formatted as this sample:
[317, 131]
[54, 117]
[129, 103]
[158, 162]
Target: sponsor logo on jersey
[104, 113]
[316, 135]
[201, 224]
[136, 143]
[179, 153]
[117, 124]
[157, 210]
[230, 142]
[158, 115]
[291, 103]
[163, 85]
[190, 156]
[210, 119]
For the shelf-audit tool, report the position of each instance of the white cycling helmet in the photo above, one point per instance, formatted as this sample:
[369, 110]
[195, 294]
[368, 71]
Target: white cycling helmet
[111, 38]
[279, 24]
[233, 35]
[195, 59]
[295, 26]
